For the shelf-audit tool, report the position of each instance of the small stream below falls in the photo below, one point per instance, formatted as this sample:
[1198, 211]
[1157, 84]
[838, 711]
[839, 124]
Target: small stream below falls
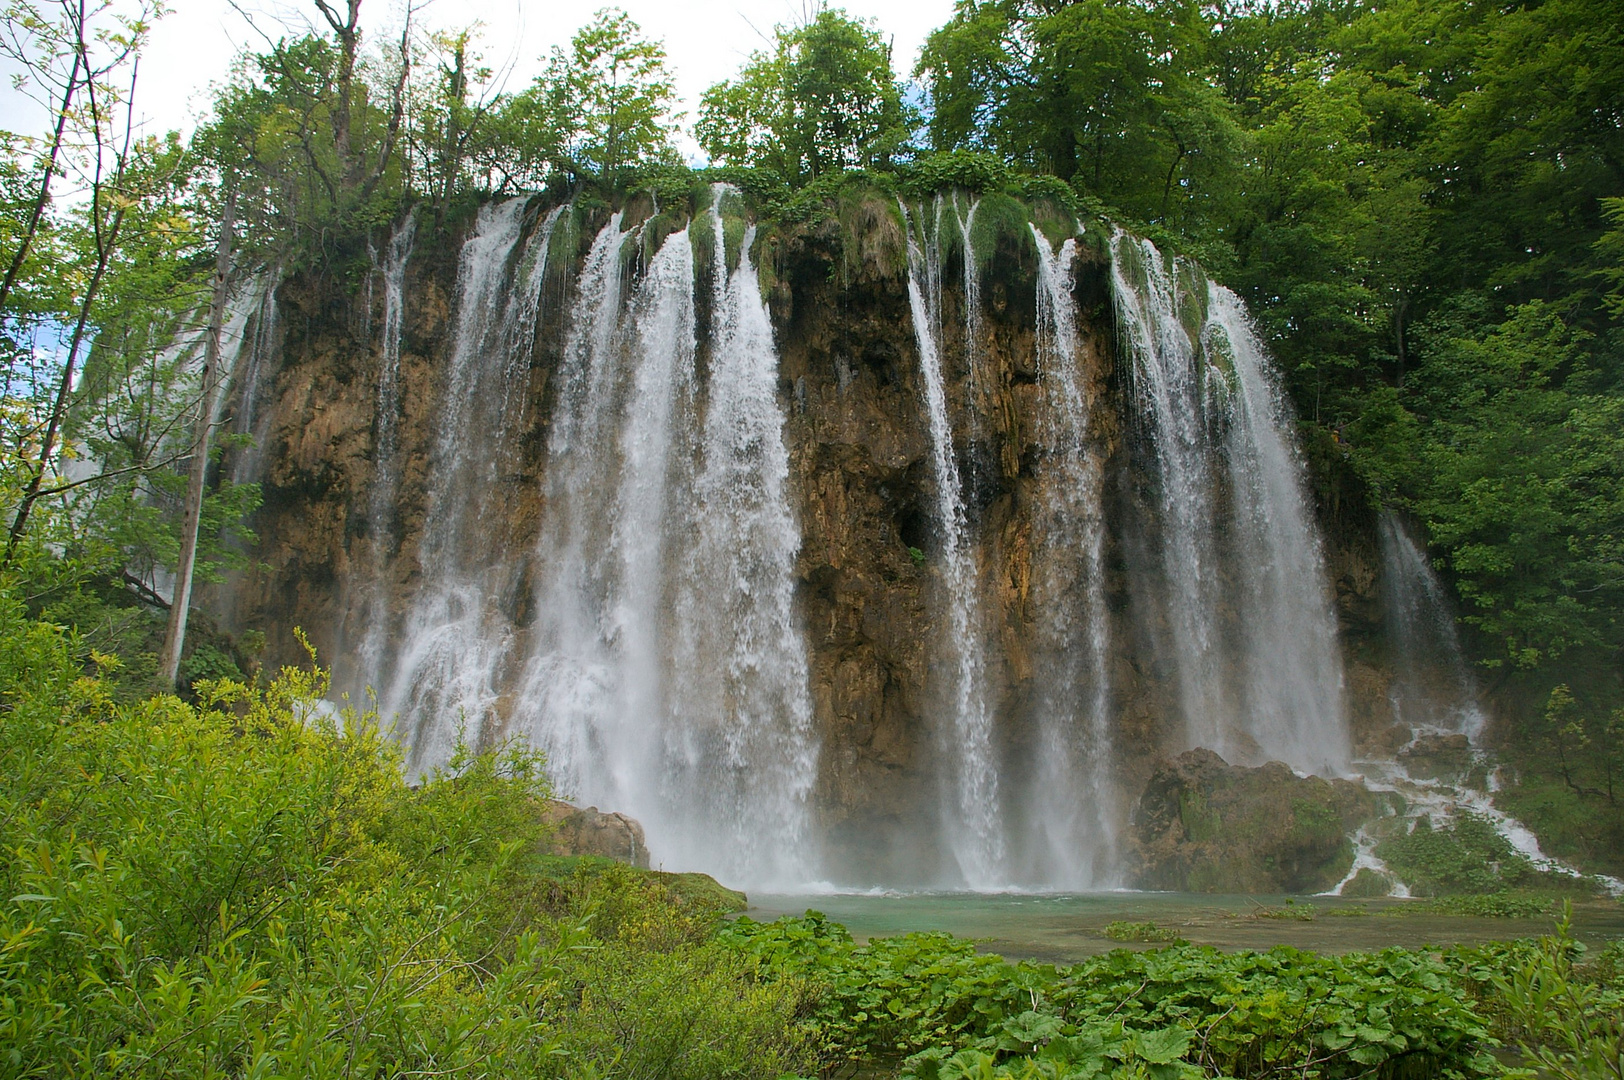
[1067, 927]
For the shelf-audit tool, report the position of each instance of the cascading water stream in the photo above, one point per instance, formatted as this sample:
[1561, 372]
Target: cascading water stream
[1073, 796]
[1167, 395]
[1433, 690]
[1434, 694]
[762, 760]
[384, 493]
[1291, 695]
[445, 679]
[668, 676]
[972, 810]
[1259, 673]
[570, 689]
[247, 385]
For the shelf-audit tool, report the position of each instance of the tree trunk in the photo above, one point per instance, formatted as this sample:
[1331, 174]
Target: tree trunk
[43, 199]
[175, 636]
[59, 407]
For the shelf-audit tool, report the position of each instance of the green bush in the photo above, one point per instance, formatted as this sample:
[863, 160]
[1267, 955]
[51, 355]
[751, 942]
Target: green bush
[249, 887]
[1140, 931]
[1180, 1011]
[1465, 856]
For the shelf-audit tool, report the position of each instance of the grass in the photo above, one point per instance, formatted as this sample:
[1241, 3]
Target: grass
[1141, 931]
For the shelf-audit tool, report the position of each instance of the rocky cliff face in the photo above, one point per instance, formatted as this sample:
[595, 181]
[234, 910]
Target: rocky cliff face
[867, 577]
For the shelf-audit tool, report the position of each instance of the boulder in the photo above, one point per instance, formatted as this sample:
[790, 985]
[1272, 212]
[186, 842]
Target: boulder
[588, 831]
[1203, 825]
[1438, 757]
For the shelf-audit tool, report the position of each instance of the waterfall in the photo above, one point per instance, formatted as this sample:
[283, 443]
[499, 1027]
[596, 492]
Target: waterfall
[1072, 795]
[247, 387]
[972, 801]
[386, 468]
[668, 676]
[756, 767]
[1258, 673]
[1167, 396]
[1433, 690]
[1292, 691]
[384, 494]
[445, 677]
[632, 610]
[570, 685]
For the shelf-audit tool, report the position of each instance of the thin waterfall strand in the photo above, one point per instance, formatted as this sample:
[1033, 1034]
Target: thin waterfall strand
[973, 824]
[1292, 689]
[445, 682]
[1433, 689]
[1166, 393]
[1073, 797]
[763, 758]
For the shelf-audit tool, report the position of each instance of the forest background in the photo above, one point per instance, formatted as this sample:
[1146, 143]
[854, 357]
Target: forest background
[1422, 202]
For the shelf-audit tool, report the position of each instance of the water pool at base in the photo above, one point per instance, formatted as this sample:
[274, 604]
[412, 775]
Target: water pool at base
[1064, 928]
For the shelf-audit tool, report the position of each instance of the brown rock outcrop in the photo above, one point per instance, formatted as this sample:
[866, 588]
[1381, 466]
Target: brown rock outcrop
[589, 831]
[1203, 825]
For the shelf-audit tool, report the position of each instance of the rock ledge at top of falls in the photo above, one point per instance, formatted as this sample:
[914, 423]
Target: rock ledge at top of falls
[1204, 825]
[589, 831]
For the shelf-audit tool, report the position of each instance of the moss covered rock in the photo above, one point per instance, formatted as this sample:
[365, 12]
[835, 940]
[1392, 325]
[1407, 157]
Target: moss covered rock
[1203, 825]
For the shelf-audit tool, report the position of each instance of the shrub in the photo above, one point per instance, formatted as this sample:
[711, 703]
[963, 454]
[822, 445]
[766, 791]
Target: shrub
[1140, 931]
[248, 886]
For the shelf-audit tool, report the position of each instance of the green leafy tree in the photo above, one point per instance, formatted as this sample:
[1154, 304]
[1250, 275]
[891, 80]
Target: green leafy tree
[1110, 95]
[824, 99]
[601, 107]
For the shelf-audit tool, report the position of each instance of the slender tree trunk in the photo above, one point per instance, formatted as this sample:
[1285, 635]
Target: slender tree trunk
[43, 199]
[1172, 172]
[175, 637]
[1399, 340]
[346, 29]
[59, 407]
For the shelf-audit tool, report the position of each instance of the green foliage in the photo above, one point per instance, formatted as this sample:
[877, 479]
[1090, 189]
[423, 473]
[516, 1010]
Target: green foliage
[824, 100]
[1569, 1026]
[250, 887]
[601, 107]
[1291, 910]
[1182, 1011]
[978, 172]
[1141, 931]
[1491, 906]
[1466, 856]
[1110, 96]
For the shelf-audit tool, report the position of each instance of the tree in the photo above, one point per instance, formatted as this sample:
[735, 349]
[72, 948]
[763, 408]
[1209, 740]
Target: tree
[180, 605]
[107, 166]
[1110, 95]
[599, 108]
[302, 126]
[823, 100]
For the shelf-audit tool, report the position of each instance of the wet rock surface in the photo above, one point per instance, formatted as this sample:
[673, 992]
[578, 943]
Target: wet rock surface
[869, 590]
[589, 831]
[1203, 825]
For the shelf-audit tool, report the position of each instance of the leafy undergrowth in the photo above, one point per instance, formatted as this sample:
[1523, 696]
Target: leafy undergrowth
[1583, 829]
[1469, 856]
[1141, 931]
[944, 1011]
[249, 888]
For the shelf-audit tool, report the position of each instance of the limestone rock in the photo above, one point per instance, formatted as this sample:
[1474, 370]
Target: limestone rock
[1203, 825]
[588, 831]
[1438, 757]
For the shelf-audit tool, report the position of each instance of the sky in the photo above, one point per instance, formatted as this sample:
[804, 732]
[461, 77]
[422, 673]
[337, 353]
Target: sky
[706, 40]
